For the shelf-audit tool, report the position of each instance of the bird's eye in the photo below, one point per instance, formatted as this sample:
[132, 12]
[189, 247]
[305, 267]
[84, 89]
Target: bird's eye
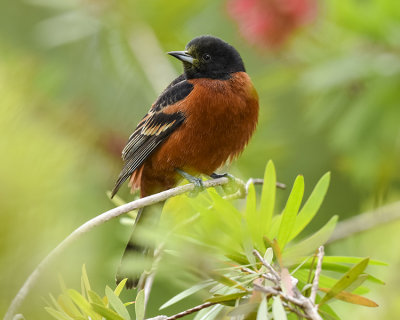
[206, 57]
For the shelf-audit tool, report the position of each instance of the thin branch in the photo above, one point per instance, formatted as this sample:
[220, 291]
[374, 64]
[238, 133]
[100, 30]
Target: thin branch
[318, 270]
[95, 222]
[279, 185]
[190, 311]
[294, 310]
[266, 264]
[366, 221]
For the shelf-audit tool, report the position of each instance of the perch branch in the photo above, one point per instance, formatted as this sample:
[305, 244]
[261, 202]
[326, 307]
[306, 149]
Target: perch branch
[97, 221]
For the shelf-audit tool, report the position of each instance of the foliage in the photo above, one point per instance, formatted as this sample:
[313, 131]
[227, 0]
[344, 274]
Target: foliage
[87, 304]
[216, 242]
[74, 85]
[230, 235]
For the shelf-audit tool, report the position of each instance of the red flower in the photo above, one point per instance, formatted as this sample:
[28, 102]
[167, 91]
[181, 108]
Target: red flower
[270, 22]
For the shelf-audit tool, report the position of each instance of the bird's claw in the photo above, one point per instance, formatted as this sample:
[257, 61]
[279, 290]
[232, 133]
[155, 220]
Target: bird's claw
[198, 183]
[231, 186]
[198, 187]
[223, 175]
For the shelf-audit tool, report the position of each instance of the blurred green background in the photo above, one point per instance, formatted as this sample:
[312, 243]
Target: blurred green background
[77, 75]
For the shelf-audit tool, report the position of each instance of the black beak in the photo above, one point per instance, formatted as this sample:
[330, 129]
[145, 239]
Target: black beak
[182, 55]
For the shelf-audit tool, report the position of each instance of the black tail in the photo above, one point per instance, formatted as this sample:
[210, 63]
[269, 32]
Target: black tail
[138, 252]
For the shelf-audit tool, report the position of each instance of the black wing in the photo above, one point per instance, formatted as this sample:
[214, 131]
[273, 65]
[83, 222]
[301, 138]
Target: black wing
[154, 128]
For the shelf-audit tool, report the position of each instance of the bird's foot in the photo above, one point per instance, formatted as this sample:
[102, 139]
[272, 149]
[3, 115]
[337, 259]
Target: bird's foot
[198, 183]
[231, 186]
[222, 175]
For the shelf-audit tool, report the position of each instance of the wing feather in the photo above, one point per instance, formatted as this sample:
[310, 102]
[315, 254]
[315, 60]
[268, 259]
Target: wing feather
[153, 130]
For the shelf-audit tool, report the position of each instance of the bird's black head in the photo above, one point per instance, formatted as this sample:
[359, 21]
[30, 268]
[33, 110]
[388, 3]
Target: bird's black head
[209, 57]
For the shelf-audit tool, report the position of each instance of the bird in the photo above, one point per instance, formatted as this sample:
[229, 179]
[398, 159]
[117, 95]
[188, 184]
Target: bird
[203, 119]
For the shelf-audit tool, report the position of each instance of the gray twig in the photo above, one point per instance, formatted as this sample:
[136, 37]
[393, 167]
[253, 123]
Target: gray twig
[366, 221]
[189, 311]
[318, 270]
[266, 264]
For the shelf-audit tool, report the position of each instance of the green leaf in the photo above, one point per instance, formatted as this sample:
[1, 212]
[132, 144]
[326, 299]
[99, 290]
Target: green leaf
[278, 312]
[252, 219]
[227, 281]
[188, 292]
[94, 297]
[345, 281]
[139, 305]
[340, 268]
[239, 258]
[327, 312]
[82, 303]
[243, 309]
[269, 255]
[85, 284]
[65, 302]
[57, 314]
[55, 303]
[290, 212]
[267, 202]
[325, 281]
[312, 205]
[106, 313]
[117, 304]
[209, 314]
[228, 297]
[262, 313]
[310, 244]
[343, 259]
[120, 286]
[353, 298]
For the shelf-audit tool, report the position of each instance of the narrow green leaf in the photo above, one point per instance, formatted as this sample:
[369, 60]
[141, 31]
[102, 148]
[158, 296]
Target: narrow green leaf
[327, 282]
[252, 219]
[274, 228]
[85, 282]
[117, 304]
[55, 303]
[106, 313]
[243, 309]
[226, 281]
[341, 269]
[120, 286]
[327, 312]
[184, 294]
[311, 243]
[312, 205]
[353, 298]
[358, 282]
[139, 305]
[65, 302]
[343, 259]
[209, 314]
[237, 257]
[269, 255]
[82, 303]
[262, 313]
[57, 314]
[94, 297]
[228, 297]
[290, 212]
[278, 312]
[267, 202]
[346, 280]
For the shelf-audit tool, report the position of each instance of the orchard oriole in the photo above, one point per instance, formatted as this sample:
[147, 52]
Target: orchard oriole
[205, 117]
